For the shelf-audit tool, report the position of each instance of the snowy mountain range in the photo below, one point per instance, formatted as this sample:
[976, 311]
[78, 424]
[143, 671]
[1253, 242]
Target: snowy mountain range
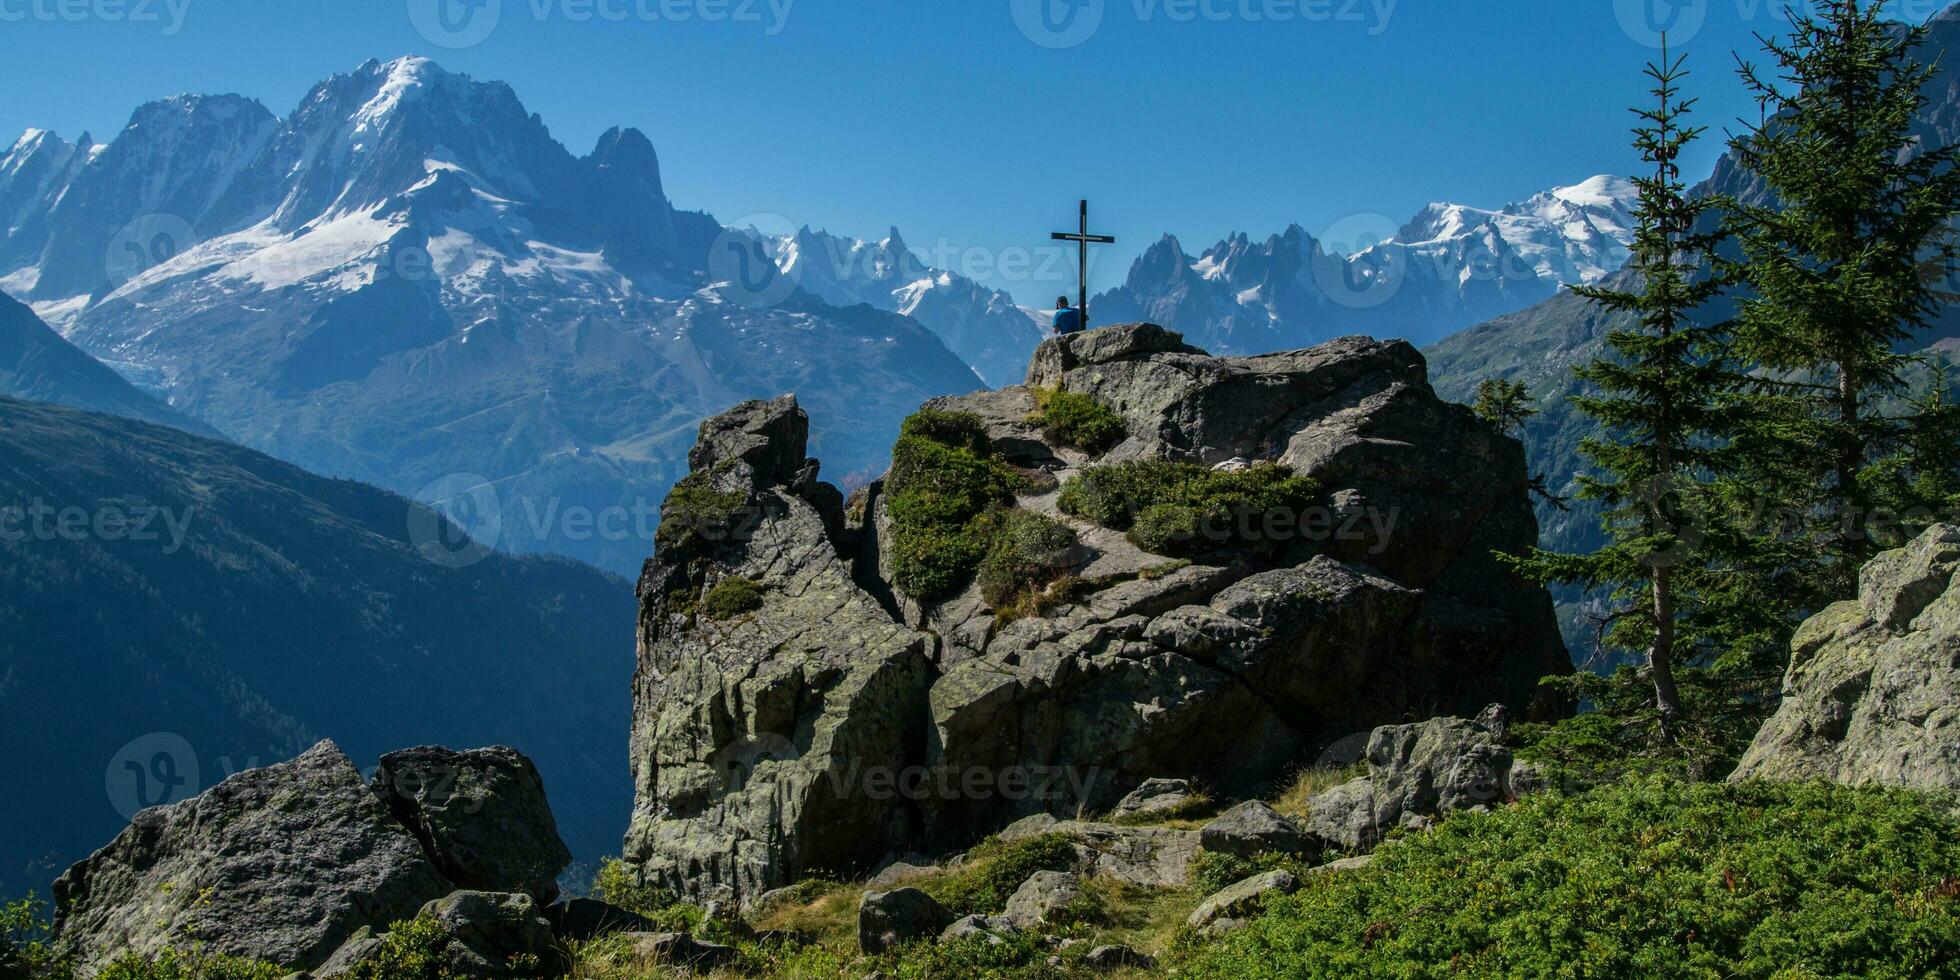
[1447, 268]
[409, 282]
[982, 326]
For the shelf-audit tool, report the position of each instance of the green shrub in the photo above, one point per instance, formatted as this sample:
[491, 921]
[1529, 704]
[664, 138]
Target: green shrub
[1025, 551]
[1169, 529]
[1077, 420]
[1113, 496]
[412, 949]
[960, 430]
[944, 481]
[174, 964]
[731, 597]
[1184, 510]
[1010, 956]
[26, 949]
[994, 869]
[1649, 878]
[696, 517]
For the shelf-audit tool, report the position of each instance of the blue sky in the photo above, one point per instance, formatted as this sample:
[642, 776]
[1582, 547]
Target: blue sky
[972, 125]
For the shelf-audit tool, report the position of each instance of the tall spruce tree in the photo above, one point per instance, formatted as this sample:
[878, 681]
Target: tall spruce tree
[1834, 257]
[1659, 400]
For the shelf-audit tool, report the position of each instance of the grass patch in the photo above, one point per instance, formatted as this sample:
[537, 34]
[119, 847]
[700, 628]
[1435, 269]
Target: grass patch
[1183, 510]
[994, 869]
[1076, 420]
[731, 597]
[1652, 877]
[1297, 799]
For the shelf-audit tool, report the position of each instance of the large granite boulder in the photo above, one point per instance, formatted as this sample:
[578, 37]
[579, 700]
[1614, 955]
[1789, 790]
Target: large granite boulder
[890, 919]
[283, 864]
[1384, 606]
[493, 934]
[759, 741]
[480, 814]
[1872, 696]
[1424, 770]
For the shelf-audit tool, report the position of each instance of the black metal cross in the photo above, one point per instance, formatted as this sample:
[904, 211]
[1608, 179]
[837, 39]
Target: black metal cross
[1083, 240]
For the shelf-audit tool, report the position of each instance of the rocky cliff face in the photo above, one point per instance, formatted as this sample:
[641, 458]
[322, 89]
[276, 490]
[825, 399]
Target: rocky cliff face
[1870, 694]
[828, 720]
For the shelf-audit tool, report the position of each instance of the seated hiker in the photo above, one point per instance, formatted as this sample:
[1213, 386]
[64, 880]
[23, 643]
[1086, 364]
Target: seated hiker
[1068, 319]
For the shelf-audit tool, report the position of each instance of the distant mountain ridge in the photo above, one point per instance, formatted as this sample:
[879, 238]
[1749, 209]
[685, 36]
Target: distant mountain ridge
[215, 608]
[409, 282]
[36, 364]
[1448, 267]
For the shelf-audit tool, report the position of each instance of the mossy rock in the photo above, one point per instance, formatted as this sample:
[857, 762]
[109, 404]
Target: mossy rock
[731, 597]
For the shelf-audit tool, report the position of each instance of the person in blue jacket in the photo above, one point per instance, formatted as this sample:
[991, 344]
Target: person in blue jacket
[1068, 319]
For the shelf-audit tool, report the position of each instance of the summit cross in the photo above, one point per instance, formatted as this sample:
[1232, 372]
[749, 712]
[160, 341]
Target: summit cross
[1083, 240]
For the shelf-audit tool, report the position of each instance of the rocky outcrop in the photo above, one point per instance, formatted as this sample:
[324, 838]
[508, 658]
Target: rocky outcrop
[755, 737]
[1384, 605]
[1253, 828]
[282, 864]
[480, 814]
[1871, 693]
[1155, 796]
[1418, 771]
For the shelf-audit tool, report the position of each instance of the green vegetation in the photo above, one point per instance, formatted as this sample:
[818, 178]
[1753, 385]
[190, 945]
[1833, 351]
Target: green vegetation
[951, 505]
[697, 517]
[414, 949]
[1503, 403]
[1185, 510]
[1663, 400]
[1650, 878]
[617, 883]
[1025, 552]
[197, 965]
[1076, 420]
[731, 597]
[994, 869]
[25, 950]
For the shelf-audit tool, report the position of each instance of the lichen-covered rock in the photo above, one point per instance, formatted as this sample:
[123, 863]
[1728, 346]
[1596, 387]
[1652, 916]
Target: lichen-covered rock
[1383, 605]
[888, 919]
[1238, 900]
[1041, 896]
[681, 949]
[1427, 770]
[990, 928]
[480, 814]
[1872, 696]
[1253, 828]
[1147, 857]
[283, 863]
[758, 742]
[1155, 796]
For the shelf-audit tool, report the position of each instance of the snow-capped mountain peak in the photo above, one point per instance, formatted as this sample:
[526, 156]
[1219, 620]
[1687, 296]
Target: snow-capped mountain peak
[1449, 266]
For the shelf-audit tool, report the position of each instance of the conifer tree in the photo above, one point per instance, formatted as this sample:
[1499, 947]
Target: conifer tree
[1658, 397]
[1833, 255]
[1505, 404]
